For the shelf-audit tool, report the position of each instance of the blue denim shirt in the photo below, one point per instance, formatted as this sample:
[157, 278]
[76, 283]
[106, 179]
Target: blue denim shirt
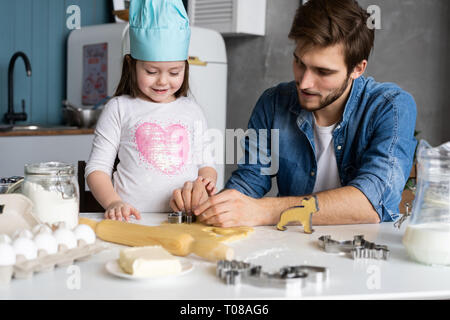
[374, 144]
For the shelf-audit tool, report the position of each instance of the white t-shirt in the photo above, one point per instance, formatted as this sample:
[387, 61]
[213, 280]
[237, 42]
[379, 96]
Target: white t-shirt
[160, 147]
[327, 172]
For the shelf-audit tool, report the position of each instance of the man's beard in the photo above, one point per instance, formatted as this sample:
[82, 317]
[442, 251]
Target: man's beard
[332, 97]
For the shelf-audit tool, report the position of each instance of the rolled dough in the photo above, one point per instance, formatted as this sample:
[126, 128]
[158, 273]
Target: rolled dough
[203, 232]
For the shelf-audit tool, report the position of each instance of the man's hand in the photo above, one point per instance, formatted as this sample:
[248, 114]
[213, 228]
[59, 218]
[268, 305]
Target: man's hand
[190, 196]
[231, 208]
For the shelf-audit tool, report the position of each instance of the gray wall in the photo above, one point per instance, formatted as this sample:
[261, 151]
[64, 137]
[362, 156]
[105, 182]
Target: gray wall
[411, 49]
[258, 63]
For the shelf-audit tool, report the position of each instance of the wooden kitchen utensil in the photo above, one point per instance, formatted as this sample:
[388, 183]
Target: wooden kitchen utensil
[177, 243]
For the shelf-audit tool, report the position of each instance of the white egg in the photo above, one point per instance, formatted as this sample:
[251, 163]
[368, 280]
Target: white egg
[4, 238]
[84, 232]
[66, 237]
[41, 228]
[47, 242]
[7, 255]
[25, 247]
[23, 233]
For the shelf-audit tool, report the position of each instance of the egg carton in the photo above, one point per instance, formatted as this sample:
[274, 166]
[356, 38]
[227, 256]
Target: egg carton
[25, 269]
[17, 219]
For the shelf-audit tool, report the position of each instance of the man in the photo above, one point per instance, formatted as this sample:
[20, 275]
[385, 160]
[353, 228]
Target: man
[342, 137]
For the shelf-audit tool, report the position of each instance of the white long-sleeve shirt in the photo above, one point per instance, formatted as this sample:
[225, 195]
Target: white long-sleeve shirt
[160, 147]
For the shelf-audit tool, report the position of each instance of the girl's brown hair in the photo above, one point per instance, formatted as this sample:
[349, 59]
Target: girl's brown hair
[128, 80]
[328, 22]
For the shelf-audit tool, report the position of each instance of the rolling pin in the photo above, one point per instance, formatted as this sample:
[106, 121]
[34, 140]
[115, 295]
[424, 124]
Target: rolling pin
[179, 244]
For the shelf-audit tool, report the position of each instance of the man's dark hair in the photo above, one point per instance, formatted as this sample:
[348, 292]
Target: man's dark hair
[329, 22]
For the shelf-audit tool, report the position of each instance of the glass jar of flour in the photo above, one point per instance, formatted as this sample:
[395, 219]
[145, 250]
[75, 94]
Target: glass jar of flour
[427, 237]
[54, 191]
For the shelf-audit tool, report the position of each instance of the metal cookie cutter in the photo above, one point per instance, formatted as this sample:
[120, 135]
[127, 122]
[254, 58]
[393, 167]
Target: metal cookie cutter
[398, 223]
[359, 248]
[236, 272]
[180, 217]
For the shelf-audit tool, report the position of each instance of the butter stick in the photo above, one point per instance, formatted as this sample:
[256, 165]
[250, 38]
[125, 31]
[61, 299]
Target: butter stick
[148, 261]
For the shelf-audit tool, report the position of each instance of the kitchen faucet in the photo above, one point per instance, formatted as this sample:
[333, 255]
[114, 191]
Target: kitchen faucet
[11, 116]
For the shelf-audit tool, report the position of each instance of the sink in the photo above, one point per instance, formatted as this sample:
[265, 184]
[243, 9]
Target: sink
[41, 128]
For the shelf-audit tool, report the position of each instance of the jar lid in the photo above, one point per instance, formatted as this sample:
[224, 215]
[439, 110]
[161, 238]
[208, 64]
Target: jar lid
[50, 168]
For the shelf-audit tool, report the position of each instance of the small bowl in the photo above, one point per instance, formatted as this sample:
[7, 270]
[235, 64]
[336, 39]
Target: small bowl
[83, 118]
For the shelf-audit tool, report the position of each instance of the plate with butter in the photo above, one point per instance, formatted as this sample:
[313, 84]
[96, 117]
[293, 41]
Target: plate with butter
[146, 263]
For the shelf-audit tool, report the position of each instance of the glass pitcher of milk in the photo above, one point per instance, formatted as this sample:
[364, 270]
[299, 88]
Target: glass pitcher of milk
[427, 237]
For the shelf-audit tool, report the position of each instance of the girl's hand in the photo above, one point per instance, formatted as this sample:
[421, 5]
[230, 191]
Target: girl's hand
[209, 185]
[119, 210]
[189, 197]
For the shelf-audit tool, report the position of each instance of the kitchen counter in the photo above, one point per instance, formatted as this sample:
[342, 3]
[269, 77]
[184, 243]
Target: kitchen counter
[50, 131]
[396, 278]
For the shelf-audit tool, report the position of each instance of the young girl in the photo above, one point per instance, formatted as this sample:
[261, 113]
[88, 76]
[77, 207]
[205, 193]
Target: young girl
[150, 124]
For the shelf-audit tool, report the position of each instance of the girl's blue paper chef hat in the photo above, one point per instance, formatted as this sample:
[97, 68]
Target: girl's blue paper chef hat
[159, 30]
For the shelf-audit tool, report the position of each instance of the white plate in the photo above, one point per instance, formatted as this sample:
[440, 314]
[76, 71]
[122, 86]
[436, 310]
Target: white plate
[114, 268]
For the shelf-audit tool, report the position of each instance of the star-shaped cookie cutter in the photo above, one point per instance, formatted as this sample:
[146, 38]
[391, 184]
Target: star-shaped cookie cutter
[235, 272]
[358, 248]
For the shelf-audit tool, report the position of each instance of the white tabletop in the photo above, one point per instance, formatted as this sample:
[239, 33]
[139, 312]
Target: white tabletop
[397, 278]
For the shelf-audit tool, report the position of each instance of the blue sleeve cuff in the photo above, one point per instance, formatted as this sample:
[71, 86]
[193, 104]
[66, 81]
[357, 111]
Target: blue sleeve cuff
[238, 183]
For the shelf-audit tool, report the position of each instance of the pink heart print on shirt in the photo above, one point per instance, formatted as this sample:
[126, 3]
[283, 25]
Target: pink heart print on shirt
[165, 149]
